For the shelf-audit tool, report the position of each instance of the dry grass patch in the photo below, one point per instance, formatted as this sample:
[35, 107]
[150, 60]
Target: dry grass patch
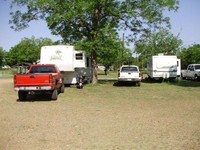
[153, 116]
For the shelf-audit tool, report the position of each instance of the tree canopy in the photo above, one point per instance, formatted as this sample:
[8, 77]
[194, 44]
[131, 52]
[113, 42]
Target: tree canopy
[86, 21]
[154, 43]
[28, 50]
[190, 55]
[2, 55]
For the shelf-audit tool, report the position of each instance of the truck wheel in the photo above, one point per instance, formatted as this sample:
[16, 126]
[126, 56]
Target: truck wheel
[22, 95]
[139, 83]
[62, 89]
[54, 95]
[183, 78]
[195, 77]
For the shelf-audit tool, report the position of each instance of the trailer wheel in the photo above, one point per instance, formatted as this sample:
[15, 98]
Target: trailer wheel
[54, 94]
[22, 95]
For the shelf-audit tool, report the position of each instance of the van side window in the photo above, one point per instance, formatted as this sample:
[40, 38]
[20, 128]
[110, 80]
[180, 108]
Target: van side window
[79, 56]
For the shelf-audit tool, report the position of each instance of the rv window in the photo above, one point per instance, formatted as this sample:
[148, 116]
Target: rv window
[79, 56]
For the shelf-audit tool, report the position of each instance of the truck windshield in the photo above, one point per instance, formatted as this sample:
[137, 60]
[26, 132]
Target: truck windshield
[42, 69]
[129, 69]
[197, 67]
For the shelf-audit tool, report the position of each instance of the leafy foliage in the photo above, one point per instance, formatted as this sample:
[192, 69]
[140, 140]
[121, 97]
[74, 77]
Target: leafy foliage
[157, 42]
[190, 55]
[2, 56]
[28, 50]
[86, 21]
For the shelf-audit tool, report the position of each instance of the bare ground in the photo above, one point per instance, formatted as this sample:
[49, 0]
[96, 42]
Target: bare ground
[80, 120]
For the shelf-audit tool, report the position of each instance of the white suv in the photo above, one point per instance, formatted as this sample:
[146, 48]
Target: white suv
[129, 74]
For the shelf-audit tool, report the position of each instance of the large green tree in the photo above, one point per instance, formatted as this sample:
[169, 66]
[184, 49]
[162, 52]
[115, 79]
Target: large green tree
[2, 56]
[28, 50]
[154, 43]
[86, 20]
[190, 55]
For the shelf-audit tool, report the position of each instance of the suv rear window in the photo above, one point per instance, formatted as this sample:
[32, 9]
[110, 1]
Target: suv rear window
[129, 69]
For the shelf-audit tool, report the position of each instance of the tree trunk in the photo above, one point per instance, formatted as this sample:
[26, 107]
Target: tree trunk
[94, 68]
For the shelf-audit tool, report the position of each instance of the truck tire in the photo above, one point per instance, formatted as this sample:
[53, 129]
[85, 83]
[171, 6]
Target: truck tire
[182, 77]
[54, 94]
[195, 77]
[22, 95]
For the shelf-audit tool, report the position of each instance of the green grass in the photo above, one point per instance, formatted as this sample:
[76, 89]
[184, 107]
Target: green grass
[110, 74]
[153, 116]
[148, 91]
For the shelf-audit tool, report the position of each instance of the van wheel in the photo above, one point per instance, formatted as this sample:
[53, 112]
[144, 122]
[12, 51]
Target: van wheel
[22, 95]
[54, 94]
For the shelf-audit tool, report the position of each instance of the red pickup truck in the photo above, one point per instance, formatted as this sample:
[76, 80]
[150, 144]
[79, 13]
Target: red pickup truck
[38, 79]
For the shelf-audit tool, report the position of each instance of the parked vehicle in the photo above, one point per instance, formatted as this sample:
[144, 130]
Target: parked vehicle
[129, 74]
[69, 61]
[39, 78]
[161, 67]
[192, 72]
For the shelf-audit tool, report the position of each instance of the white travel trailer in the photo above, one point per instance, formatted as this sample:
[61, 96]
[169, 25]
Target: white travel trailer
[161, 67]
[70, 62]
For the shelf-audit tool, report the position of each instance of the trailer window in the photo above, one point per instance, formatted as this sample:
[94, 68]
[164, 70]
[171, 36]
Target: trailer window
[79, 56]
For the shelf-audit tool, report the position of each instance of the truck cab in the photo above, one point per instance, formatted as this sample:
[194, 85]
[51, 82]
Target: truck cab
[192, 72]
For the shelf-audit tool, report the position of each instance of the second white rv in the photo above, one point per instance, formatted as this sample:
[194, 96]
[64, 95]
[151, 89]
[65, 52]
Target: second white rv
[161, 67]
[70, 62]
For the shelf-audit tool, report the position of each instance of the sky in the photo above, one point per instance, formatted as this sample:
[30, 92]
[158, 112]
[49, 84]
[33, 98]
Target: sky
[185, 22]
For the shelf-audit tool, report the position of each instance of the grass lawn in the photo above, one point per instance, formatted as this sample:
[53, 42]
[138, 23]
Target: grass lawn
[153, 116]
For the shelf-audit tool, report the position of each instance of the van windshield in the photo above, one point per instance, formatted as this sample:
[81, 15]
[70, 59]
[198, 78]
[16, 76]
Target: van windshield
[129, 69]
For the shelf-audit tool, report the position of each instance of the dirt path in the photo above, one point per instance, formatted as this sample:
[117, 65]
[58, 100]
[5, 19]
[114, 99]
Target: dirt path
[93, 124]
